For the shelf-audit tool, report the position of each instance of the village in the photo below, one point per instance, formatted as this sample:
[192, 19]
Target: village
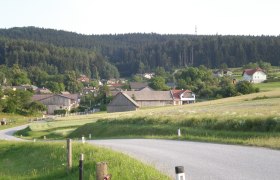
[125, 95]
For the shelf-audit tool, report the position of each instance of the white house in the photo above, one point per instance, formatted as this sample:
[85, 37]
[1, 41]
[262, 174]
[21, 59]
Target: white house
[256, 75]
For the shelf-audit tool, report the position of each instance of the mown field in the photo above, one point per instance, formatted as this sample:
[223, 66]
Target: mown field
[249, 119]
[45, 161]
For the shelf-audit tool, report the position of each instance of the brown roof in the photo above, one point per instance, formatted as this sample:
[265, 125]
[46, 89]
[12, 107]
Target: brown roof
[251, 71]
[176, 93]
[39, 97]
[150, 95]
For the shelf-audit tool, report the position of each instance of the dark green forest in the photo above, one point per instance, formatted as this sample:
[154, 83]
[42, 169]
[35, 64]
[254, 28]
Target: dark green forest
[62, 51]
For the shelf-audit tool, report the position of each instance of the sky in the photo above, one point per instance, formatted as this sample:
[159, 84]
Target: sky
[224, 17]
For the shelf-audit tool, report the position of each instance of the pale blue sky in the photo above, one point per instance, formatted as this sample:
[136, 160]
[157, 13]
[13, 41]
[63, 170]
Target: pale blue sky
[236, 17]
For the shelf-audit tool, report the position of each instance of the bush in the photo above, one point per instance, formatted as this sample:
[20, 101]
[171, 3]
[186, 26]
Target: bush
[60, 112]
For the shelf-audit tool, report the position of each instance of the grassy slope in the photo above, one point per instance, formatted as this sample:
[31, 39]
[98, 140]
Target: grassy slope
[28, 160]
[13, 120]
[251, 119]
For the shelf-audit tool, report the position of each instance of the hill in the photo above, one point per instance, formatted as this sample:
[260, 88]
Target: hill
[137, 52]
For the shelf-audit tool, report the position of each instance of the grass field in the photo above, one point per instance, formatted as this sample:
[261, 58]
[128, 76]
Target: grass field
[41, 160]
[250, 119]
[268, 86]
[13, 120]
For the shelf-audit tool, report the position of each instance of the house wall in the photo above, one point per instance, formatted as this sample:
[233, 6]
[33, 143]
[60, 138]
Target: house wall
[52, 108]
[58, 102]
[247, 77]
[258, 77]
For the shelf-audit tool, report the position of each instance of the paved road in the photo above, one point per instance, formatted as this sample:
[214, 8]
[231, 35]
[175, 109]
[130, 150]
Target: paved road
[7, 134]
[204, 161]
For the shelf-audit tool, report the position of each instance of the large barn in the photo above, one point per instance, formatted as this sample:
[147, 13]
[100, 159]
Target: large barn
[146, 97]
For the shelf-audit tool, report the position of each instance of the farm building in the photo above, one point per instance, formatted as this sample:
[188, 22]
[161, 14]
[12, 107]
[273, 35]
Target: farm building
[57, 101]
[122, 102]
[256, 75]
[148, 97]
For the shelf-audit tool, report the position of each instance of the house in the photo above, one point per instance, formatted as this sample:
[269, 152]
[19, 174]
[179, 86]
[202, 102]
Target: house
[183, 97]
[222, 73]
[57, 101]
[136, 86]
[83, 78]
[256, 75]
[122, 102]
[148, 75]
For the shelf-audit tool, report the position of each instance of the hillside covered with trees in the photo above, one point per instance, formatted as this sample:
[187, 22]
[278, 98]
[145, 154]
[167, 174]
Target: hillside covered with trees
[132, 53]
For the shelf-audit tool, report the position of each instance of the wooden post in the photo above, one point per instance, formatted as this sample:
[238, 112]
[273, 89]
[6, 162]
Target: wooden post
[81, 167]
[69, 155]
[101, 170]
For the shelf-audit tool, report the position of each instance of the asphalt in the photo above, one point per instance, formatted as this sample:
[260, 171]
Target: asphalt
[202, 161]
[7, 134]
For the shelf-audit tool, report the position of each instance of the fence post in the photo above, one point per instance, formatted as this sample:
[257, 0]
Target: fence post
[102, 171]
[179, 132]
[180, 174]
[81, 167]
[83, 139]
[69, 155]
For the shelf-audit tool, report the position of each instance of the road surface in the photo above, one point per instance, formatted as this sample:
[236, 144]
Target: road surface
[202, 161]
[7, 134]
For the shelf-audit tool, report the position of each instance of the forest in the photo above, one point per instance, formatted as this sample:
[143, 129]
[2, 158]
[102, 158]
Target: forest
[128, 54]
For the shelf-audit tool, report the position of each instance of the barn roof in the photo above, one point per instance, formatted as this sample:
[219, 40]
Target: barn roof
[39, 97]
[150, 95]
[252, 71]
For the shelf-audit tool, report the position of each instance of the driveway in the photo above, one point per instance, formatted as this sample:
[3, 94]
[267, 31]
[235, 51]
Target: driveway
[206, 161]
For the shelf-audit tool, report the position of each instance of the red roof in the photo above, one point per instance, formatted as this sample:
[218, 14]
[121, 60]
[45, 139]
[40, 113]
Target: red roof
[176, 93]
[251, 71]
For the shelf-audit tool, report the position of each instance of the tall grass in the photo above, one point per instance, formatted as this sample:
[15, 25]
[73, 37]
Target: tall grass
[39, 160]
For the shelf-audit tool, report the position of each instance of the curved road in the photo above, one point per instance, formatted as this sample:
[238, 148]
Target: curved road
[7, 134]
[204, 161]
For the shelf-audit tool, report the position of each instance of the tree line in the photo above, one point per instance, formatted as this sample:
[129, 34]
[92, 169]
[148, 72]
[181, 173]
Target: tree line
[136, 52]
[54, 59]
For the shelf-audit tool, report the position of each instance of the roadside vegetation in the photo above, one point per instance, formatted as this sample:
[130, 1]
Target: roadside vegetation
[42, 160]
